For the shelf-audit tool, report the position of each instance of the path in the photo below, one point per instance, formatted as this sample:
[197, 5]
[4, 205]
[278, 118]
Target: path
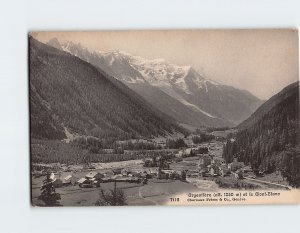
[269, 183]
[145, 198]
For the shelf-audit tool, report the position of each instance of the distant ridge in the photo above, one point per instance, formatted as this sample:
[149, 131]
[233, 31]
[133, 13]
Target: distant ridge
[269, 104]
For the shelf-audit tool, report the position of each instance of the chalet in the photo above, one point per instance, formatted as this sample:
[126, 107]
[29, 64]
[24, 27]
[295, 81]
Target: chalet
[201, 150]
[162, 175]
[108, 174]
[167, 171]
[213, 170]
[124, 172]
[117, 171]
[239, 174]
[123, 178]
[106, 179]
[68, 180]
[115, 177]
[136, 174]
[224, 170]
[52, 176]
[94, 175]
[57, 182]
[235, 165]
[153, 171]
[179, 154]
[85, 183]
[187, 151]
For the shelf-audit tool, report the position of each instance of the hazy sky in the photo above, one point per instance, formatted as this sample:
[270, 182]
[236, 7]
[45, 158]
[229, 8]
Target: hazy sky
[260, 61]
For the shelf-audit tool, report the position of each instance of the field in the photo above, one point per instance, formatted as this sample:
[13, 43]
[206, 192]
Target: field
[156, 192]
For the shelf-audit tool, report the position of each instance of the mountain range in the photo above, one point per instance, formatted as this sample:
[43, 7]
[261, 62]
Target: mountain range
[178, 91]
[69, 96]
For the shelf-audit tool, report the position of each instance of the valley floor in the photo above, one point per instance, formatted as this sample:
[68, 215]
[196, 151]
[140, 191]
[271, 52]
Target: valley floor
[156, 191]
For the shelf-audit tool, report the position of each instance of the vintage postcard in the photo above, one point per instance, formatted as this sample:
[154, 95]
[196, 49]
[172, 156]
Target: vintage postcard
[171, 117]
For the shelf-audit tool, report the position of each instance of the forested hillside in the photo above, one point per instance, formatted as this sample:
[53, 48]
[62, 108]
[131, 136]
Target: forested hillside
[268, 105]
[69, 94]
[270, 141]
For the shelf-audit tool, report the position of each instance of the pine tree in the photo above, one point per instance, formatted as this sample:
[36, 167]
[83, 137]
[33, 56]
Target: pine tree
[113, 197]
[48, 194]
[183, 176]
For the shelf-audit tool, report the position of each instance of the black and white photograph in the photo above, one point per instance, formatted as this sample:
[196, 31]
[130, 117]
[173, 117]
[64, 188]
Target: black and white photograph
[149, 116]
[183, 117]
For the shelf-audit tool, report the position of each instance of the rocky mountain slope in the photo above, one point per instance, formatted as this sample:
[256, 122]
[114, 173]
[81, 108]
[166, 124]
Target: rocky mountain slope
[178, 91]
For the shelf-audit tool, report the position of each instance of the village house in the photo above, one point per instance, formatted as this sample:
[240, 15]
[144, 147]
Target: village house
[117, 171]
[179, 154]
[224, 170]
[213, 170]
[108, 174]
[94, 175]
[85, 183]
[124, 172]
[201, 150]
[52, 176]
[69, 180]
[153, 171]
[168, 171]
[164, 173]
[239, 174]
[235, 165]
[136, 174]
[57, 182]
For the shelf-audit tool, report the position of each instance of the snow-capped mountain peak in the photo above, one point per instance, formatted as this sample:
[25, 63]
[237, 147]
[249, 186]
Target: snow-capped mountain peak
[157, 72]
[198, 100]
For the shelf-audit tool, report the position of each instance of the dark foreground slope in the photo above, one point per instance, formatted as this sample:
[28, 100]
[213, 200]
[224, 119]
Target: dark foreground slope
[69, 95]
[269, 139]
